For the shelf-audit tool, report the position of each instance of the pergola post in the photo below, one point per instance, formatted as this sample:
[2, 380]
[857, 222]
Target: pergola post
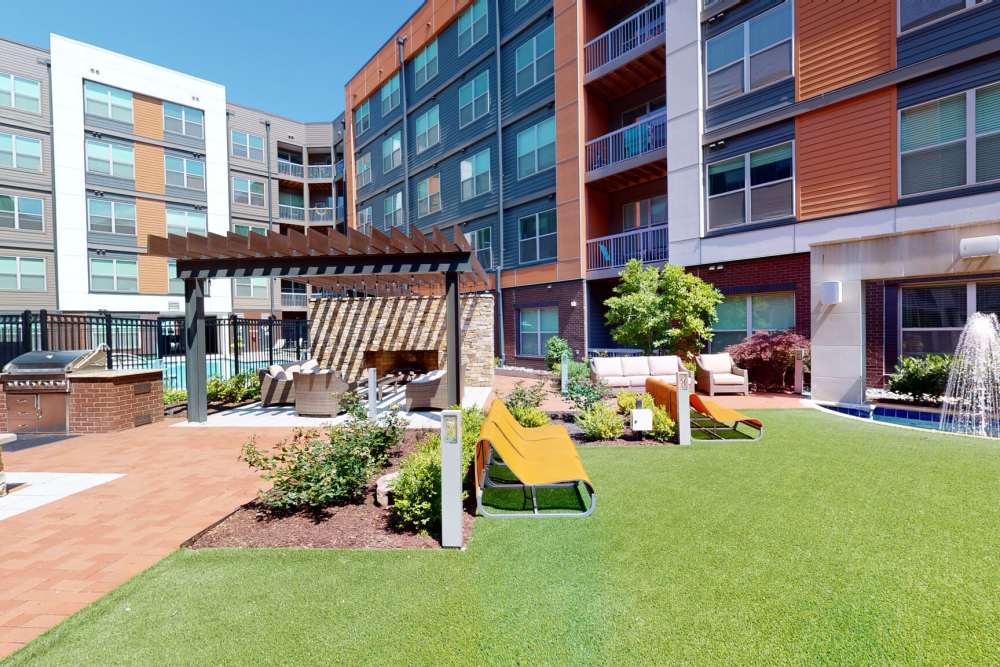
[194, 345]
[454, 326]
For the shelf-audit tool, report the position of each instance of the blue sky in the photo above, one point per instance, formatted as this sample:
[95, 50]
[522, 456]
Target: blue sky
[293, 61]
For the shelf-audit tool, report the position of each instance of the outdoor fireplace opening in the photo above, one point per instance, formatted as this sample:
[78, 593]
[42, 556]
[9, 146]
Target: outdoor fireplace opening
[406, 362]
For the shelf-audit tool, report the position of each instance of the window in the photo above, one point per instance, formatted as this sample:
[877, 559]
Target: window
[20, 152]
[390, 94]
[475, 173]
[481, 241]
[392, 207]
[425, 65]
[248, 191]
[364, 169]
[110, 217]
[178, 119]
[113, 275]
[645, 213]
[950, 142]
[365, 220]
[914, 14]
[932, 318]
[536, 148]
[24, 274]
[429, 195]
[734, 199]
[474, 99]
[428, 127]
[534, 60]
[20, 93]
[536, 327]
[253, 288]
[246, 145]
[362, 118]
[183, 221]
[24, 213]
[519, 4]
[247, 230]
[174, 284]
[110, 159]
[750, 56]
[392, 152]
[107, 102]
[185, 172]
[740, 316]
[472, 26]
[536, 235]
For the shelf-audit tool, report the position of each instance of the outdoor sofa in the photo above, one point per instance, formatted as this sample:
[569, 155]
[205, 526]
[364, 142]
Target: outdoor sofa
[718, 374]
[276, 384]
[630, 373]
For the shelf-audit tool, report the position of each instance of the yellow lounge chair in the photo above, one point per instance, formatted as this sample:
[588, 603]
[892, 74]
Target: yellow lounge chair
[707, 416]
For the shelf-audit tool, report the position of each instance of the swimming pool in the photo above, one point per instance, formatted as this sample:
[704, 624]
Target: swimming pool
[927, 419]
[174, 368]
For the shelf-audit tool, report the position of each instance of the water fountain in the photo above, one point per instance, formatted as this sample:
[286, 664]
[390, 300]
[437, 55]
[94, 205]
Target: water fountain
[972, 398]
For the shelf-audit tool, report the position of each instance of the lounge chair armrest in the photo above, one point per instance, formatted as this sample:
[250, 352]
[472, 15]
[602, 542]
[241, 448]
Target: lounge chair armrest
[739, 371]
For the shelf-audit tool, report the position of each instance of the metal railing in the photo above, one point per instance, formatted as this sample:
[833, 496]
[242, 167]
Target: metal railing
[649, 244]
[643, 136]
[321, 171]
[643, 26]
[290, 168]
[288, 212]
[321, 214]
[294, 299]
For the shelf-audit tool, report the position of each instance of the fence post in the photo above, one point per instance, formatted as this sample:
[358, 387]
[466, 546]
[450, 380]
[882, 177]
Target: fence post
[234, 336]
[26, 342]
[108, 339]
[298, 342]
[372, 393]
[270, 340]
[43, 330]
[451, 478]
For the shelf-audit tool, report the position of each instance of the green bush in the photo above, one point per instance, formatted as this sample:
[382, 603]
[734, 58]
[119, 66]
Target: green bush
[578, 370]
[554, 349]
[921, 377]
[530, 417]
[664, 427]
[238, 388]
[171, 396]
[525, 397]
[416, 493]
[601, 422]
[585, 393]
[627, 400]
[352, 404]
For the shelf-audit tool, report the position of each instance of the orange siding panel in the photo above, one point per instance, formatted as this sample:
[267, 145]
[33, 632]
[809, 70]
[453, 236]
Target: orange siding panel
[843, 42]
[150, 218]
[149, 169]
[845, 156]
[570, 213]
[152, 274]
[147, 115]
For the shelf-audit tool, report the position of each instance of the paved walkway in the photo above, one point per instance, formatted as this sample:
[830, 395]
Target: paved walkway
[56, 559]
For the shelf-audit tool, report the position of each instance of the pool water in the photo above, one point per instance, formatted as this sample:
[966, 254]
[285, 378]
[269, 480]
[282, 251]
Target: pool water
[174, 368]
[899, 416]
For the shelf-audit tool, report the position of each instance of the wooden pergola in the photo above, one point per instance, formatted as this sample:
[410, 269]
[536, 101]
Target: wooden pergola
[326, 259]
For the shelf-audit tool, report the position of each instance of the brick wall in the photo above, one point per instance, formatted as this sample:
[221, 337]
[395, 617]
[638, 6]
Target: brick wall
[875, 334]
[104, 405]
[571, 318]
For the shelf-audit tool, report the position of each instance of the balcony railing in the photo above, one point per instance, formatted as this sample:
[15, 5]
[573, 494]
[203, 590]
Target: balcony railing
[290, 168]
[287, 212]
[643, 136]
[321, 171]
[340, 169]
[649, 244]
[321, 215]
[643, 26]
[294, 299]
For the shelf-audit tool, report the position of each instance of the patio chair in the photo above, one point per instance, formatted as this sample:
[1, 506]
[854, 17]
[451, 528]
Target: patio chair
[277, 384]
[428, 391]
[550, 463]
[707, 416]
[318, 392]
[718, 374]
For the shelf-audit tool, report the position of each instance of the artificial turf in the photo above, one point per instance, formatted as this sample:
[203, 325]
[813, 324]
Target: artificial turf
[832, 541]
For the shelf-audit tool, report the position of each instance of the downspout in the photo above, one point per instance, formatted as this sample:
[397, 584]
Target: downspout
[405, 148]
[270, 213]
[333, 170]
[500, 193]
[52, 161]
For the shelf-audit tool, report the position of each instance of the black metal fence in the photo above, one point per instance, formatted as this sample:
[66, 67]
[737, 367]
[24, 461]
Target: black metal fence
[233, 345]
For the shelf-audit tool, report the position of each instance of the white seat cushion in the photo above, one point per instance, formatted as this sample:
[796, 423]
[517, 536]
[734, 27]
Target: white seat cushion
[717, 363]
[433, 376]
[294, 368]
[280, 374]
[312, 363]
[635, 366]
[606, 367]
[636, 380]
[616, 381]
[664, 365]
[274, 369]
[672, 379]
[727, 378]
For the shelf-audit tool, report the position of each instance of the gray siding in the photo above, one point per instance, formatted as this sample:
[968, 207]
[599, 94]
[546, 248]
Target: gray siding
[29, 239]
[41, 180]
[22, 60]
[16, 301]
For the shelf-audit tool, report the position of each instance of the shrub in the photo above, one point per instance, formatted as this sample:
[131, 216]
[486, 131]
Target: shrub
[769, 355]
[241, 387]
[352, 404]
[601, 422]
[171, 396]
[525, 397]
[921, 377]
[554, 349]
[530, 417]
[627, 400]
[585, 393]
[664, 427]
[215, 388]
[578, 370]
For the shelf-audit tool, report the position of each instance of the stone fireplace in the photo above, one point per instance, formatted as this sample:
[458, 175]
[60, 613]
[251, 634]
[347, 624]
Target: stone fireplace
[388, 361]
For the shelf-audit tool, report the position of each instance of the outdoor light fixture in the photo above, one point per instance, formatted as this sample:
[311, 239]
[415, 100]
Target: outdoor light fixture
[979, 246]
[451, 478]
[831, 293]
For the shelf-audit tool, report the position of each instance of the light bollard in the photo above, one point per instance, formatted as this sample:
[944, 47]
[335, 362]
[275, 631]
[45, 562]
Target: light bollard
[684, 408]
[564, 371]
[372, 393]
[451, 478]
[800, 370]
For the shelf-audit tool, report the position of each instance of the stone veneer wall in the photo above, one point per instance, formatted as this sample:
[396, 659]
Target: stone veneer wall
[342, 329]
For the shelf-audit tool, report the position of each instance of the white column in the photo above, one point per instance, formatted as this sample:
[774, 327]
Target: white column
[372, 393]
[684, 408]
[451, 478]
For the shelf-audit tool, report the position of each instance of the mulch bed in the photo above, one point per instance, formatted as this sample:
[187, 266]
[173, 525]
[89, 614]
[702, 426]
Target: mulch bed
[363, 525]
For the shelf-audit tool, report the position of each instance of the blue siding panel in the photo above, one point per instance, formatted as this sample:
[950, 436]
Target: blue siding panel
[954, 80]
[510, 238]
[452, 206]
[511, 20]
[546, 180]
[512, 102]
[777, 95]
[961, 30]
[748, 141]
[735, 16]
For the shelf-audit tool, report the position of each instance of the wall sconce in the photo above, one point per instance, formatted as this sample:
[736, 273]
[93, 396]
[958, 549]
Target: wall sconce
[979, 246]
[831, 293]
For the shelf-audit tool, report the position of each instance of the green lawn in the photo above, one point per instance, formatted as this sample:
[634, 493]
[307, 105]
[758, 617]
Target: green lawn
[832, 541]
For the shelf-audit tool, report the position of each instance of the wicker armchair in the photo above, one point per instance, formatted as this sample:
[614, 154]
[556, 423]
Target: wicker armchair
[318, 393]
[277, 386]
[718, 374]
[428, 391]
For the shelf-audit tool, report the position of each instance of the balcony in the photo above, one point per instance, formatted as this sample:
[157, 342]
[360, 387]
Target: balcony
[286, 168]
[288, 212]
[294, 299]
[324, 171]
[630, 55]
[321, 214]
[634, 154]
[608, 254]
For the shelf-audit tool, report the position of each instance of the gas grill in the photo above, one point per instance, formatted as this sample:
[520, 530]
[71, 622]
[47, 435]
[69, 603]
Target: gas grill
[36, 385]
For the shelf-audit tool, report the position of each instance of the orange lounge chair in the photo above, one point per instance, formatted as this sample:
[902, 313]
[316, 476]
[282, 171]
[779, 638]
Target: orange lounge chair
[707, 416]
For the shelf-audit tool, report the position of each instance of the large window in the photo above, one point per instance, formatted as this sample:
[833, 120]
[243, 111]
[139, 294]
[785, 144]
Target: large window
[535, 327]
[425, 64]
[472, 25]
[474, 99]
[915, 13]
[537, 236]
[767, 194]
[428, 127]
[184, 221]
[534, 60]
[248, 191]
[365, 220]
[24, 274]
[481, 241]
[362, 118]
[175, 285]
[392, 152]
[950, 142]
[392, 208]
[19, 93]
[364, 169]
[429, 195]
[932, 318]
[108, 216]
[475, 173]
[19, 212]
[247, 145]
[113, 275]
[183, 120]
[107, 102]
[252, 288]
[18, 152]
[752, 55]
[110, 159]
[645, 213]
[390, 94]
[536, 148]
[247, 230]
[740, 316]
[185, 172]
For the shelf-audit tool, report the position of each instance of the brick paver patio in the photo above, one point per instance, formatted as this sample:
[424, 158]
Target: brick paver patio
[57, 559]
